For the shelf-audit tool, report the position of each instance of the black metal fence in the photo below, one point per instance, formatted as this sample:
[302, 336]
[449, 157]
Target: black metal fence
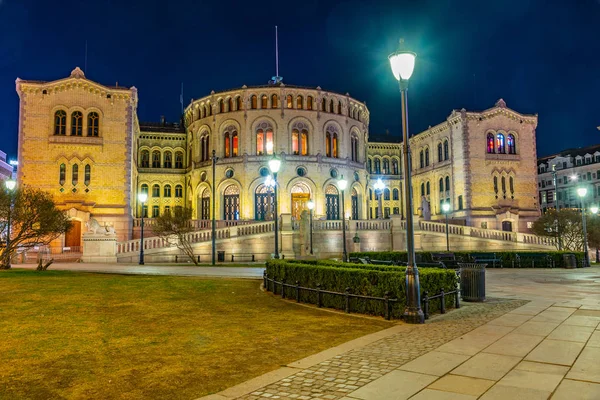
[271, 285]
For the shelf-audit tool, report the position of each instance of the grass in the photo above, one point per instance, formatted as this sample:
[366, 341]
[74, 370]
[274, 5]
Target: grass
[67, 335]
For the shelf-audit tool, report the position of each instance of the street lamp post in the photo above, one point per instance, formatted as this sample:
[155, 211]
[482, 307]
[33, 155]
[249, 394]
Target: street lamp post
[446, 209]
[10, 186]
[274, 165]
[582, 192]
[311, 206]
[594, 211]
[402, 63]
[214, 159]
[379, 186]
[557, 202]
[142, 197]
[342, 184]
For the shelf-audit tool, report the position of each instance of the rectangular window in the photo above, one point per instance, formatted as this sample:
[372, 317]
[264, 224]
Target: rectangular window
[559, 195]
[589, 176]
[460, 202]
[396, 211]
[167, 209]
[579, 162]
[145, 211]
[543, 197]
[386, 212]
[564, 164]
[154, 211]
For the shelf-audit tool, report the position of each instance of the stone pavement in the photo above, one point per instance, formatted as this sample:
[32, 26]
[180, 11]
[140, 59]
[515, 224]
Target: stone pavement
[502, 349]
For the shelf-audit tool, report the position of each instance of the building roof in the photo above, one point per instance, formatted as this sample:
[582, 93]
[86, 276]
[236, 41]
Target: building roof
[164, 127]
[574, 152]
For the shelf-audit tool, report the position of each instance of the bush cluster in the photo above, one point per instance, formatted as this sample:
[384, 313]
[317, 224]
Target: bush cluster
[366, 280]
[509, 258]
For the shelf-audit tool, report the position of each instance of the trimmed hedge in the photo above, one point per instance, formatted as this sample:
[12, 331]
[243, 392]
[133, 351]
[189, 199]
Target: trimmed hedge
[509, 258]
[366, 280]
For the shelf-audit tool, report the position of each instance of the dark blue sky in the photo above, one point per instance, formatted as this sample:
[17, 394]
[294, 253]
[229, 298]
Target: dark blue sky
[540, 56]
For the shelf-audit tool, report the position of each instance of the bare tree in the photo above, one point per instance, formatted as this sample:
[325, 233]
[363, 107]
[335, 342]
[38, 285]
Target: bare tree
[174, 227]
[566, 223]
[34, 221]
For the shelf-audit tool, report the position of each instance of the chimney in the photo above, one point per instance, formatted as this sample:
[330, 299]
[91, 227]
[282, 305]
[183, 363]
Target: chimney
[162, 120]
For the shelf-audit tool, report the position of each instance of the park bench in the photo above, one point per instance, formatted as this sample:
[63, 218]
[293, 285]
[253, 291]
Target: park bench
[244, 256]
[487, 258]
[448, 259]
[525, 260]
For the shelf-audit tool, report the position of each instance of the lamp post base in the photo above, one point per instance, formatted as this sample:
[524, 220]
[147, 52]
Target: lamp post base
[413, 315]
[412, 312]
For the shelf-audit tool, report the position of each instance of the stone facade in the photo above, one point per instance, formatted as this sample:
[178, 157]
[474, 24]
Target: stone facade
[6, 169]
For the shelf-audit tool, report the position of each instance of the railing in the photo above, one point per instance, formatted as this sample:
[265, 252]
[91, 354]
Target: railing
[440, 227]
[359, 225]
[540, 240]
[154, 242]
[493, 234]
[270, 285]
[262, 227]
[199, 223]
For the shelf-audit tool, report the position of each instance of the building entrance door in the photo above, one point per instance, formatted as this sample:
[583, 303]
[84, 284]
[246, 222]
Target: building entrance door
[73, 236]
[507, 226]
[299, 201]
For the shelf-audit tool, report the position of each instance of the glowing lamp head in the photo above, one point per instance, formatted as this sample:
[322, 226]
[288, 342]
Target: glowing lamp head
[310, 205]
[342, 183]
[402, 63]
[10, 184]
[379, 184]
[573, 177]
[446, 207]
[142, 197]
[594, 209]
[581, 192]
[274, 164]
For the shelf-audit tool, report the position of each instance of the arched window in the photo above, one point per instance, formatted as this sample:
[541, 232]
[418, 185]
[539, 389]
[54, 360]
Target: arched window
[428, 188]
[299, 102]
[239, 102]
[354, 147]
[227, 142]
[289, 101]
[440, 153]
[500, 144]
[168, 160]
[386, 194]
[496, 186]
[422, 189]
[264, 101]
[504, 187]
[490, 143]
[370, 166]
[167, 191]
[75, 174]
[76, 123]
[510, 141]
[447, 184]
[395, 194]
[179, 191]
[93, 124]
[221, 106]
[332, 202]
[331, 107]
[300, 139]
[62, 172]
[60, 123]
[274, 101]
[230, 104]
[377, 166]
[446, 150]
[156, 159]
[155, 190]
[264, 139]
[511, 185]
[145, 159]
[395, 170]
[339, 107]
[441, 185]
[324, 105]
[421, 159]
[201, 112]
[179, 159]
[88, 174]
[253, 102]
[331, 141]
[427, 156]
[230, 142]
[386, 166]
[209, 109]
[309, 103]
[370, 194]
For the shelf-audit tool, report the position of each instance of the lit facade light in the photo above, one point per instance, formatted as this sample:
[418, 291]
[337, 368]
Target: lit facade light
[581, 192]
[446, 207]
[379, 185]
[274, 164]
[402, 63]
[310, 205]
[342, 183]
[142, 197]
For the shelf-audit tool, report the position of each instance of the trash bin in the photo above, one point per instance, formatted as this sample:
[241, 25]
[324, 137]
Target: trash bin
[472, 281]
[221, 256]
[570, 261]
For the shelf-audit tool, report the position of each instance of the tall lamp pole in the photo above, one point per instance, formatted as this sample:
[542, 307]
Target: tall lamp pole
[582, 192]
[403, 64]
[142, 197]
[10, 186]
[214, 222]
[342, 184]
[446, 209]
[555, 182]
[274, 165]
[379, 186]
[311, 206]
[594, 211]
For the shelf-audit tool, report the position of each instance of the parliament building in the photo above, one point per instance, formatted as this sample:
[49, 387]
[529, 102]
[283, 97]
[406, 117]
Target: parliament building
[82, 141]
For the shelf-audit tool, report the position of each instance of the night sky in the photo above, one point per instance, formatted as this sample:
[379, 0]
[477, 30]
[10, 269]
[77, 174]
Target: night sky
[539, 56]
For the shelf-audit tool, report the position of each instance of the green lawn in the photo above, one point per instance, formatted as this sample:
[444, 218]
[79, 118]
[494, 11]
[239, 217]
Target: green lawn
[67, 335]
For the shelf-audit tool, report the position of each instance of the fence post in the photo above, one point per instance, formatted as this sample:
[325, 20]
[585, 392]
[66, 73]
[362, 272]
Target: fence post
[265, 283]
[347, 295]
[198, 258]
[457, 296]
[426, 305]
[175, 258]
[283, 288]
[386, 297]
[297, 291]
[443, 303]
[319, 296]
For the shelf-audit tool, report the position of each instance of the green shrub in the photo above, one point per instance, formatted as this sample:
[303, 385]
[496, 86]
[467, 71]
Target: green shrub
[374, 281]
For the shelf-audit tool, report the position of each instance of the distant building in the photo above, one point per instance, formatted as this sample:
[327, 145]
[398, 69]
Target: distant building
[6, 170]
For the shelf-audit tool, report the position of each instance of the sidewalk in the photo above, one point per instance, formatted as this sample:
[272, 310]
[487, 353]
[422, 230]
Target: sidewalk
[502, 349]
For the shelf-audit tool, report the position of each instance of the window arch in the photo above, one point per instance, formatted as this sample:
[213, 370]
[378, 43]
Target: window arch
[230, 104]
[300, 139]
[377, 166]
[230, 142]
[490, 143]
[156, 159]
[428, 186]
[264, 139]
[76, 123]
[179, 159]
[331, 107]
[145, 159]
[88, 174]
[354, 147]
[370, 166]
[440, 153]
[339, 107]
[253, 102]
[168, 160]
[209, 109]
[60, 122]
[144, 188]
[395, 169]
[264, 101]
[221, 106]
[510, 141]
[441, 185]
[422, 189]
[93, 123]
[75, 174]
[62, 173]
[289, 101]
[299, 102]
[421, 159]
[178, 191]
[274, 101]
[500, 145]
[155, 190]
[331, 141]
[386, 194]
[446, 150]
[309, 103]
[324, 104]
[204, 147]
[427, 156]
[167, 191]
[201, 111]
[395, 194]
[386, 166]
[447, 184]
